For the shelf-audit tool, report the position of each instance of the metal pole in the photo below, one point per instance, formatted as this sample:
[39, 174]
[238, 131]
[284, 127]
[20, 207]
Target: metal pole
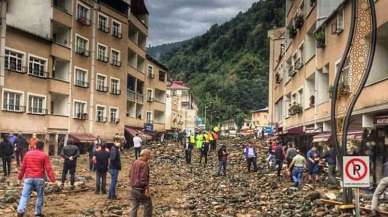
[357, 201]
[205, 116]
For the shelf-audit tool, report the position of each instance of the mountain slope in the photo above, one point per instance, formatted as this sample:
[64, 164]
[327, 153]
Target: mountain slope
[227, 67]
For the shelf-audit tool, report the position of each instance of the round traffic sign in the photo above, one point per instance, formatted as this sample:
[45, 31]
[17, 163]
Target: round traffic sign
[356, 169]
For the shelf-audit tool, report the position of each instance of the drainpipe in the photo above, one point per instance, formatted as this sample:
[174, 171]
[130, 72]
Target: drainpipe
[2, 40]
[93, 69]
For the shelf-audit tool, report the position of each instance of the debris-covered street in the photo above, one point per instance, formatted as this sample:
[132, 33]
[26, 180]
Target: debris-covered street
[182, 190]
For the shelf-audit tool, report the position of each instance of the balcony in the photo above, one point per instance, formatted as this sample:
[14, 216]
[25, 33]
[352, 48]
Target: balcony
[114, 121]
[58, 86]
[37, 73]
[82, 51]
[101, 119]
[83, 84]
[62, 12]
[57, 122]
[131, 95]
[62, 5]
[61, 69]
[295, 109]
[61, 34]
[84, 21]
[298, 64]
[140, 98]
[59, 104]
[291, 72]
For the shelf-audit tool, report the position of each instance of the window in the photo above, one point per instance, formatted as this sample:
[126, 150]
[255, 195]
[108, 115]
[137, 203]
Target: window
[102, 53]
[150, 72]
[115, 55]
[83, 15]
[340, 21]
[81, 78]
[82, 46]
[115, 86]
[14, 61]
[100, 113]
[80, 110]
[103, 23]
[12, 101]
[36, 104]
[149, 95]
[116, 29]
[149, 117]
[37, 67]
[113, 114]
[162, 76]
[101, 83]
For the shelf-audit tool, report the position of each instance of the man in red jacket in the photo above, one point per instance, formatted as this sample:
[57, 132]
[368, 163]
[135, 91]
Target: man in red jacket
[36, 165]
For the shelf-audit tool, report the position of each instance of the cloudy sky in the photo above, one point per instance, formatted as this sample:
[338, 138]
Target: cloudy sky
[177, 20]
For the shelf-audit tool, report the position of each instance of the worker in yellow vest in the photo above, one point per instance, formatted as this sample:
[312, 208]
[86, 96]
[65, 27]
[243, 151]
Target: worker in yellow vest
[205, 148]
[211, 141]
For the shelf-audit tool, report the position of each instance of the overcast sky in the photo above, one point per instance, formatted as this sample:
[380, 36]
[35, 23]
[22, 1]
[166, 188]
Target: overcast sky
[177, 20]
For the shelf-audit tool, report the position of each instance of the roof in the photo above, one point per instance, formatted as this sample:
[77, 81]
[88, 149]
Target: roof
[178, 85]
[82, 137]
[329, 18]
[151, 59]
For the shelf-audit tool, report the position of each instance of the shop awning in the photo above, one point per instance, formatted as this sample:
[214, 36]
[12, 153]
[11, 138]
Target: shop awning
[82, 137]
[295, 130]
[325, 137]
[381, 120]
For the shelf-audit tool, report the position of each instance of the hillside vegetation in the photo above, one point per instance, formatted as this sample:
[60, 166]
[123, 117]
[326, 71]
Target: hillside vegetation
[227, 67]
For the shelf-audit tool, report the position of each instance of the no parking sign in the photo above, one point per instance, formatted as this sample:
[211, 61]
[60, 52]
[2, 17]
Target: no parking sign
[356, 171]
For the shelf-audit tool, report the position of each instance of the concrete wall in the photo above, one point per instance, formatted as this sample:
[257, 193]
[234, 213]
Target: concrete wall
[31, 15]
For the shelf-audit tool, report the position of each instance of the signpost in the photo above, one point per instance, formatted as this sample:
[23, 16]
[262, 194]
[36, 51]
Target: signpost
[356, 175]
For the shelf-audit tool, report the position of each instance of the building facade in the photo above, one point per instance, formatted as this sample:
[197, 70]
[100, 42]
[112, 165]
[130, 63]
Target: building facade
[74, 67]
[259, 118]
[304, 58]
[181, 109]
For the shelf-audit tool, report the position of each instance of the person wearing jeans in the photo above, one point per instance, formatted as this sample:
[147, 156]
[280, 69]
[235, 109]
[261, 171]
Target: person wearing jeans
[222, 157]
[114, 169]
[35, 166]
[383, 185]
[298, 164]
[251, 157]
[6, 149]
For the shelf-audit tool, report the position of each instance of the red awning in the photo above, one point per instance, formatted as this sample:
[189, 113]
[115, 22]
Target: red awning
[295, 130]
[134, 131]
[82, 137]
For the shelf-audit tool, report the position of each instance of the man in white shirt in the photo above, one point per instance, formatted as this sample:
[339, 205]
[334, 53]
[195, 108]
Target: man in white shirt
[137, 145]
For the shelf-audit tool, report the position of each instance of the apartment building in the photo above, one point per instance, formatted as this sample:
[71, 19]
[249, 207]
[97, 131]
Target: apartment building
[304, 58]
[67, 65]
[259, 118]
[181, 109]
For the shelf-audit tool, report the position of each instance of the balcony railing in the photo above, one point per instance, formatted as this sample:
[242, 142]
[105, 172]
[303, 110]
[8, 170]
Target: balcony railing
[102, 88]
[139, 98]
[117, 34]
[104, 59]
[81, 116]
[131, 95]
[14, 108]
[83, 20]
[38, 73]
[298, 64]
[82, 51]
[116, 63]
[114, 121]
[56, 4]
[81, 83]
[103, 28]
[115, 92]
[37, 111]
[101, 119]
[163, 101]
[15, 68]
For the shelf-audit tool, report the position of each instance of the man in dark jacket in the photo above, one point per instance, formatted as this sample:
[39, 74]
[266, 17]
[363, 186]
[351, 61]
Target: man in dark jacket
[69, 153]
[21, 148]
[114, 169]
[101, 159]
[6, 154]
[222, 158]
[279, 157]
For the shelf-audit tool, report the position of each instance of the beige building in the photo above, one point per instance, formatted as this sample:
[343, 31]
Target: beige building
[67, 67]
[259, 118]
[181, 109]
[304, 57]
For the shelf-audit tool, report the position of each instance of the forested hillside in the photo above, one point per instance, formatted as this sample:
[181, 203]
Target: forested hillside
[227, 67]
